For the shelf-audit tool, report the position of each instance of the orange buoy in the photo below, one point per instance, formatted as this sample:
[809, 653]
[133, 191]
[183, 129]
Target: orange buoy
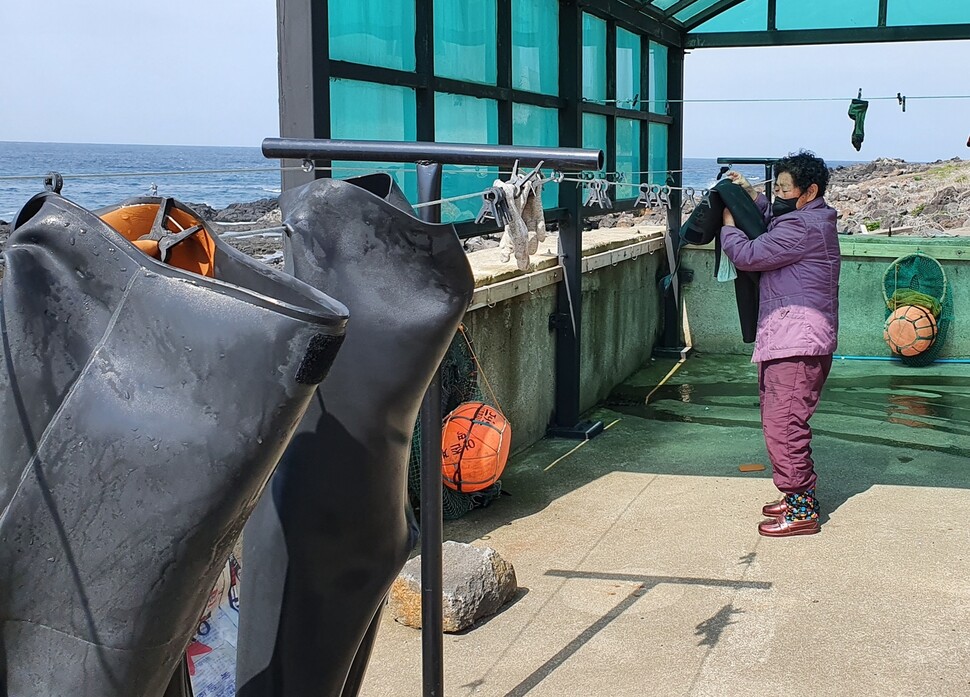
[475, 441]
[910, 330]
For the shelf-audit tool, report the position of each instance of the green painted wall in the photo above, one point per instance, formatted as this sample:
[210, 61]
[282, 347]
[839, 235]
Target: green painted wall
[713, 319]
[517, 351]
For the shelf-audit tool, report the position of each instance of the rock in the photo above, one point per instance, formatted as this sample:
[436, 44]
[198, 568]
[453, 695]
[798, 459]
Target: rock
[476, 244]
[203, 210]
[477, 583]
[246, 212]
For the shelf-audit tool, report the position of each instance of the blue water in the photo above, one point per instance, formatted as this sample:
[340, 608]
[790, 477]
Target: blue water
[216, 190]
[164, 162]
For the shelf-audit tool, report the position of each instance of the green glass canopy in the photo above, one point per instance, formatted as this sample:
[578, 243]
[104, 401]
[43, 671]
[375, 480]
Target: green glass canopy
[710, 23]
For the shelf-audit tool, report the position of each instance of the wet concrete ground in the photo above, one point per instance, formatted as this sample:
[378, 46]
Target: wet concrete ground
[642, 572]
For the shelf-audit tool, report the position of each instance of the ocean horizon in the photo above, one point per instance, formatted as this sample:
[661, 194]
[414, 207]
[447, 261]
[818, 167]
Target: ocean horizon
[102, 174]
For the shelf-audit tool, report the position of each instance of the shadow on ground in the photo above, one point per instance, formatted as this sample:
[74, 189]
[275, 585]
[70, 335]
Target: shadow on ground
[878, 424]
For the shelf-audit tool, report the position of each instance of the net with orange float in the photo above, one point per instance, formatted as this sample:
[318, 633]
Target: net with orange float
[919, 308]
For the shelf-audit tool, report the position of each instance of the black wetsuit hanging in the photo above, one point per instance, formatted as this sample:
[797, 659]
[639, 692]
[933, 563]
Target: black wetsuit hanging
[334, 527]
[142, 409]
[703, 226]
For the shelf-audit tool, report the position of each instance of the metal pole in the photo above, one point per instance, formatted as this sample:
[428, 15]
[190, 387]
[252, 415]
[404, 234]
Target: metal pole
[672, 341]
[432, 620]
[566, 159]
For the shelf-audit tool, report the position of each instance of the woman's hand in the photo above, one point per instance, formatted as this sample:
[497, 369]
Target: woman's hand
[727, 218]
[739, 179]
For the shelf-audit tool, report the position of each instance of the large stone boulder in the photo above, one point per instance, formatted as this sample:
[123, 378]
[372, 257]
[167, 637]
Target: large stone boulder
[477, 583]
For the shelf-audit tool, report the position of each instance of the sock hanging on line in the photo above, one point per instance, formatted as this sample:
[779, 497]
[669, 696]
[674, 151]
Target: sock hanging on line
[857, 112]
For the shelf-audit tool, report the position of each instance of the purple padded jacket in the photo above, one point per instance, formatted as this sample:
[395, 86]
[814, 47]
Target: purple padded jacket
[799, 261]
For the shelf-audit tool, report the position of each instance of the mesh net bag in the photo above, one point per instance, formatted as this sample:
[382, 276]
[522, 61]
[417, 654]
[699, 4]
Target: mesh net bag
[919, 280]
[459, 384]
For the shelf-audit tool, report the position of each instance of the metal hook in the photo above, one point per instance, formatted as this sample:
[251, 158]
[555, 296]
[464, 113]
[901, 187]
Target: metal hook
[53, 181]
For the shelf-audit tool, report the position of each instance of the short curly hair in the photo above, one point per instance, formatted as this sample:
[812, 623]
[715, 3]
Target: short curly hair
[805, 169]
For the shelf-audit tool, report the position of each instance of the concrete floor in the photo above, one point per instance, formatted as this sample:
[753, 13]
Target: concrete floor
[642, 572]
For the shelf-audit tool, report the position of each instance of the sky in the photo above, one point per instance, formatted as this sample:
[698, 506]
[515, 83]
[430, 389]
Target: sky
[205, 73]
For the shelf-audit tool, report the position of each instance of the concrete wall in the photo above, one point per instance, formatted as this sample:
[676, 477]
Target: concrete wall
[621, 311]
[713, 319]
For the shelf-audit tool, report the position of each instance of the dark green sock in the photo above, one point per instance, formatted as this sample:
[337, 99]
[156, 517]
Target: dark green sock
[857, 112]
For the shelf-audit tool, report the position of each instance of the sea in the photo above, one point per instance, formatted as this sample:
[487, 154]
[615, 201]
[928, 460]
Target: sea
[97, 175]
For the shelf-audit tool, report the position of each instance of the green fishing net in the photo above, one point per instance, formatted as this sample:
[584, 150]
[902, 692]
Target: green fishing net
[459, 384]
[919, 279]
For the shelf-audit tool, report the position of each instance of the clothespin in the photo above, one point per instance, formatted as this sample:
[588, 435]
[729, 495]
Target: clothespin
[902, 101]
[860, 94]
[663, 197]
[688, 196]
[517, 179]
[598, 193]
[494, 207]
[643, 198]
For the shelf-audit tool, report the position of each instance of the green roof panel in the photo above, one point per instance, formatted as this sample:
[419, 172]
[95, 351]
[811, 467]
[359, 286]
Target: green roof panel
[925, 12]
[694, 9]
[827, 14]
[746, 22]
[751, 15]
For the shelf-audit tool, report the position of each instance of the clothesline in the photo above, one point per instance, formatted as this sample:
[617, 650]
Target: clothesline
[730, 100]
[631, 185]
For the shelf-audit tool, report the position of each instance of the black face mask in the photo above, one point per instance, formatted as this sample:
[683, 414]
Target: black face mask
[780, 206]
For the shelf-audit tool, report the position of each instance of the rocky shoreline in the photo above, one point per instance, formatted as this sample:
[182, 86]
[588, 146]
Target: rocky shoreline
[886, 196]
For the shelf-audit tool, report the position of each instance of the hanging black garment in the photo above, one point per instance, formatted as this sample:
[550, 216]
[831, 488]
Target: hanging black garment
[143, 408]
[334, 527]
[703, 226]
[857, 112]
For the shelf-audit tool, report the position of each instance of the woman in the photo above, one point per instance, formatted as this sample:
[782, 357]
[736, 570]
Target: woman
[798, 323]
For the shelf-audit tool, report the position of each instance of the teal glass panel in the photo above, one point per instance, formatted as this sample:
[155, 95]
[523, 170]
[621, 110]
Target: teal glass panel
[373, 32]
[390, 115]
[664, 4]
[594, 58]
[461, 119]
[594, 132]
[826, 14]
[695, 8]
[628, 156]
[750, 15]
[536, 126]
[627, 67]
[657, 143]
[464, 40]
[535, 46]
[657, 87]
[922, 12]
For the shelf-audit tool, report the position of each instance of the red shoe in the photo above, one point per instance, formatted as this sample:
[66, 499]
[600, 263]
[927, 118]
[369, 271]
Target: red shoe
[781, 527]
[774, 509]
